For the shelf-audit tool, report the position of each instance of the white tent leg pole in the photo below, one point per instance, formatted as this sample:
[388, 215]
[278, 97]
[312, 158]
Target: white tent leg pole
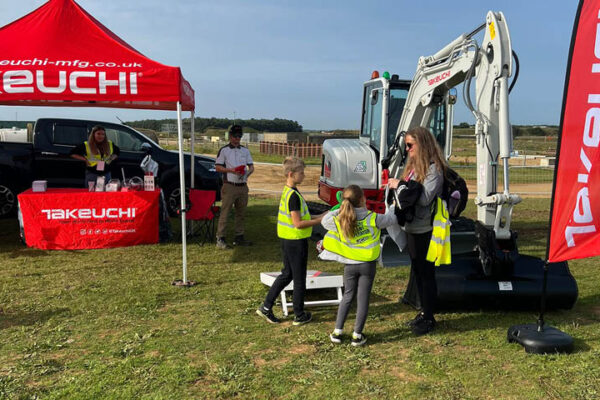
[192, 172]
[182, 188]
[192, 134]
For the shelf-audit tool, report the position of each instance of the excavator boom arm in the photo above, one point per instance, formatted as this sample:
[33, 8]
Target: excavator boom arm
[490, 63]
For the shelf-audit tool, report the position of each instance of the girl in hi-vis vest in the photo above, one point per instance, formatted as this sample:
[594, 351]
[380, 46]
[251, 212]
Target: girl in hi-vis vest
[425, 165]
[353, 237]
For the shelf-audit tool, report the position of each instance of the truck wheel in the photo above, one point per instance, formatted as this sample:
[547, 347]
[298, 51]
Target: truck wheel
[8, 200]
[173, 199]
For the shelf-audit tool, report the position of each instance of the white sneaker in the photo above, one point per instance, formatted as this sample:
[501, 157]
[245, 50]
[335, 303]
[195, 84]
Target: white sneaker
[222, 244]
[335, 337]
[358, 341]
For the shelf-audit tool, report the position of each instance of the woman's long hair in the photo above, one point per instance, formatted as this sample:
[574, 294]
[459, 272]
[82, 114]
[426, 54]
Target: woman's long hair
[428, 152]
[352, 197]
[103, 148]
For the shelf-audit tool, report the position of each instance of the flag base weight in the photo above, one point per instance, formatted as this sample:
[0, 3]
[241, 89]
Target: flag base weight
[547, 340]
[181, 283]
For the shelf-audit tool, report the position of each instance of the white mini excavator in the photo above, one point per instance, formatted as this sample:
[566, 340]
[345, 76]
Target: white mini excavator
[487, 268]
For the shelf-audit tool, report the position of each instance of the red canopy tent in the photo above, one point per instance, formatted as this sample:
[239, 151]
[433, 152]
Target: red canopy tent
[60, 55]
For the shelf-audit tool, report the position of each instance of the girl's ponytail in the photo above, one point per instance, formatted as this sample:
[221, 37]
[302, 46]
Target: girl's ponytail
[353, 196]
[347, 218]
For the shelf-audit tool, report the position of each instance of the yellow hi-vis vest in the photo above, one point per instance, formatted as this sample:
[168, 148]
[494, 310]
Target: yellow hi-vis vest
[94, 158]
[364, 246]
[439, 251]
[285, 226]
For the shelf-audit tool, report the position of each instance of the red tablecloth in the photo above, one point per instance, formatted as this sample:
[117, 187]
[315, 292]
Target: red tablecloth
[77, 219]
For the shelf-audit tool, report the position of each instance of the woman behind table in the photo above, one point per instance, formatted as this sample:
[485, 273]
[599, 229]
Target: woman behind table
[97, 152]
[353, 235]
[425, 165]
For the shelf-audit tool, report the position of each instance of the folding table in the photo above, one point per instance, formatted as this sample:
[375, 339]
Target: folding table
[314, 280]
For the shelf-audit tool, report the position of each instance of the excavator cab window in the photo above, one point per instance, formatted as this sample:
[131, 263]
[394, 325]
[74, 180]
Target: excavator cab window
[372, 113]
[437, 124]
[397, 101]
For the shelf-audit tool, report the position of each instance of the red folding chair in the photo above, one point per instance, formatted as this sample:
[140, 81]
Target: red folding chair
[203, 212]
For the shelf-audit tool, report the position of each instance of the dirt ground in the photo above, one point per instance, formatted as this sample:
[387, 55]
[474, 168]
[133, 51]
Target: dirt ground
[268, 180]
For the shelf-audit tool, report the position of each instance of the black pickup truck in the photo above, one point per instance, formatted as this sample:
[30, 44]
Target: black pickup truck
[47, 158]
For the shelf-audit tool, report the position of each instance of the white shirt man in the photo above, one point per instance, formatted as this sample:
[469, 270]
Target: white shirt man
[235, 162]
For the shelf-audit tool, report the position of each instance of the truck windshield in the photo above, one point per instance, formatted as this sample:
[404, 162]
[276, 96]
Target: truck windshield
[125, 139]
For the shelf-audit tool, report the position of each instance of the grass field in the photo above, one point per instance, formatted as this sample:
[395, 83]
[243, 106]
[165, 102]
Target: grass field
[108, 324]
[542, 145]
[518, 174]
[257, 156]
[463, 149]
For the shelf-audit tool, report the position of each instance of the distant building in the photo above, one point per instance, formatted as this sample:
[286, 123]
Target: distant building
[249, 137]
[285, 137]
[253, 137]
[168, 128]
[319, 139]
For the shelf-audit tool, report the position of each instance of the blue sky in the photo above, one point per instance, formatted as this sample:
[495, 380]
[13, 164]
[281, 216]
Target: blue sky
[306, 60]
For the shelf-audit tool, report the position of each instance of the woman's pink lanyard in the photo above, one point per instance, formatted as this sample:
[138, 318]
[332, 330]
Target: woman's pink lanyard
[410, 175]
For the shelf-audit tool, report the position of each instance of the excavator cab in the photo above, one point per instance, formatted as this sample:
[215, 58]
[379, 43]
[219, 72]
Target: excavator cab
[383, 104]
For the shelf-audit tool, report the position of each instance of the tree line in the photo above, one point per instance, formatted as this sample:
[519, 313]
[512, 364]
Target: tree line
[201, 124]
[15, 124]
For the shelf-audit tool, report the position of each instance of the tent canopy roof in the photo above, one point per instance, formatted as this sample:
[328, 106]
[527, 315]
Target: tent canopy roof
[60, 55]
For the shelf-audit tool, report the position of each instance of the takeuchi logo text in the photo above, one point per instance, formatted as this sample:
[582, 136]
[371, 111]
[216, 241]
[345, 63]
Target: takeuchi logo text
[77, 82]
[582, 219]
[39, 62]
[89, 213]
[438, 78]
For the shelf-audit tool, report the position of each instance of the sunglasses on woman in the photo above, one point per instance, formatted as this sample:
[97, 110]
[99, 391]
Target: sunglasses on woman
[409, 145]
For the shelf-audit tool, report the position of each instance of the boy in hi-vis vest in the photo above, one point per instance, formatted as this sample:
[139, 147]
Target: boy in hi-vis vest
[294, 227]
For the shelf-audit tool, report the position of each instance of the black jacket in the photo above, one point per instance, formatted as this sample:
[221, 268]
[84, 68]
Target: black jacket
[406, 196]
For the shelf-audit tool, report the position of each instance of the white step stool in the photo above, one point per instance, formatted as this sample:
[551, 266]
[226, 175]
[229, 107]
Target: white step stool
[314, 280]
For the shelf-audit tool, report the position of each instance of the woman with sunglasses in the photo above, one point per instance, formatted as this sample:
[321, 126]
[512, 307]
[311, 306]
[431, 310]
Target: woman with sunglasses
[425, 165]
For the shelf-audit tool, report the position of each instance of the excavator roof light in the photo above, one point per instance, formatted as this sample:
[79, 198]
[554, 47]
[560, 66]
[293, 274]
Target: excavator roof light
[386, 75]
[375, 75]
